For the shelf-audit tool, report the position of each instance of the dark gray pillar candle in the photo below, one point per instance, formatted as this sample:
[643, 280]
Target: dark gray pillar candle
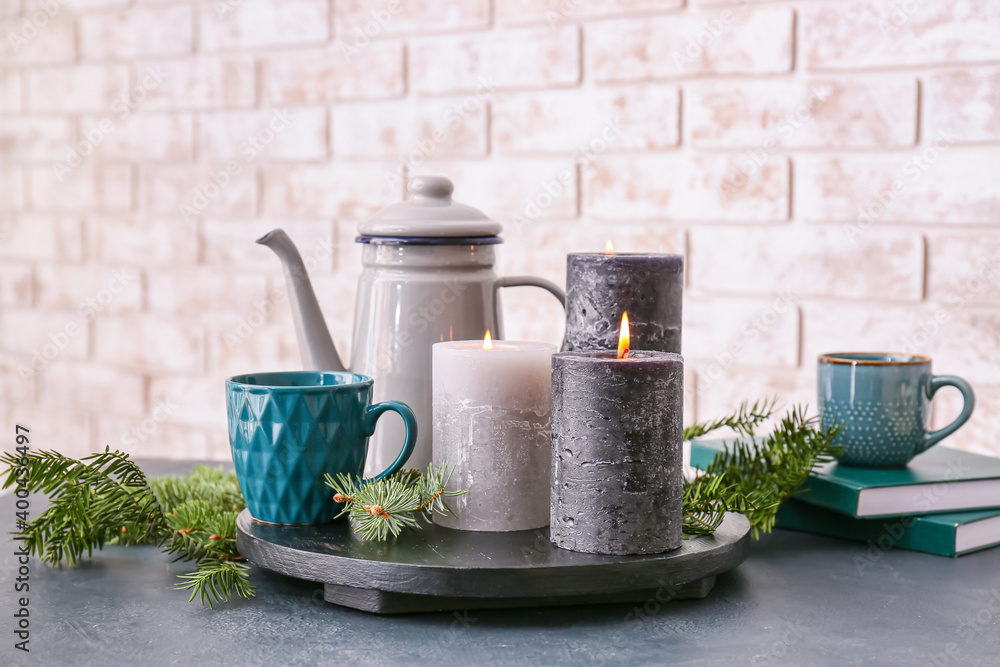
[599, 287]
[616, 452]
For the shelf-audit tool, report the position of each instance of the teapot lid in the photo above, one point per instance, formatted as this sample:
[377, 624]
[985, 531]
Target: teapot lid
[429, 213]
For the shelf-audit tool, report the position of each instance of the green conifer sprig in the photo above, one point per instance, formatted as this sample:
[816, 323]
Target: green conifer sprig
[217, 580]
[383, 507]
[105, 498]
[754, 478]
[744, 420]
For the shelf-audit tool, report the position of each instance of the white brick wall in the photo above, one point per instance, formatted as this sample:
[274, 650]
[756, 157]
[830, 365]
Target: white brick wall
[691, 44]
[829, 169]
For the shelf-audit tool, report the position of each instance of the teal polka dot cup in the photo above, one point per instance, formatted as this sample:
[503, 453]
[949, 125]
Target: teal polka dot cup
[883, 403]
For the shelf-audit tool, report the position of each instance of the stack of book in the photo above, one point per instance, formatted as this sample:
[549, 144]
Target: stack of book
[944, 502]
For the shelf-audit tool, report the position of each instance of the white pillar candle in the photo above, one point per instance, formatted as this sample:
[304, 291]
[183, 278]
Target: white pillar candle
[491, 423]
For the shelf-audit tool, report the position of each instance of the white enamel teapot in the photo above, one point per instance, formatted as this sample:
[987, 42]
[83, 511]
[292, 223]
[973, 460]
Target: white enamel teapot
[428, 277]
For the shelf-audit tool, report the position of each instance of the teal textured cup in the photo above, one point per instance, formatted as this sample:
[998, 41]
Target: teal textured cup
[289, 430]
[882, 402]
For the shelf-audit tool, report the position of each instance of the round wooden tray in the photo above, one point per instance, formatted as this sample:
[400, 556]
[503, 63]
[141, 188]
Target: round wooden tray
[434, 568]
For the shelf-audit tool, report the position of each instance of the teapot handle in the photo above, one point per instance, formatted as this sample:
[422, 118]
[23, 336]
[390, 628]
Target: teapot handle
[526, 281]
[532, 281]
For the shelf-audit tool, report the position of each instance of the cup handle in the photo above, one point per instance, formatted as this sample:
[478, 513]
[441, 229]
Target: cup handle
[373, 412]
[936, 383]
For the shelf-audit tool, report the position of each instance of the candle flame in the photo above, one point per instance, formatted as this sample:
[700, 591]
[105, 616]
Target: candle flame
[488, 341]
[623, 337]
[609, 248]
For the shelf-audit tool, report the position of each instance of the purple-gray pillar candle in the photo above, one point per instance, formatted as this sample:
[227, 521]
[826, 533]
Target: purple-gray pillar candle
[600, 287]
[616, 452]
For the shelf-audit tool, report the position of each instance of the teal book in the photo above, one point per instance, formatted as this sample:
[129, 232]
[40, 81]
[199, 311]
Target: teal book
[952, 534]
[938, 481]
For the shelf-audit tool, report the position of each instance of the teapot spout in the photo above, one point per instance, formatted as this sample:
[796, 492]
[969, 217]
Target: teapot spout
[315, 343]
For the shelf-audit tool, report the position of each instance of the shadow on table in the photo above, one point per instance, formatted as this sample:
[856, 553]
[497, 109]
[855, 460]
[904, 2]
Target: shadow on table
[728, 585]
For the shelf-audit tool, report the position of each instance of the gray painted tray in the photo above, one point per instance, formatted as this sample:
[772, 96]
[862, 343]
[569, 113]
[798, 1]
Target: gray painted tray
[437, 569]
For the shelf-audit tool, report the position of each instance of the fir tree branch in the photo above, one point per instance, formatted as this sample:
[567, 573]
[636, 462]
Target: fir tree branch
[101, 497]
[433, 496]
[379, 508]
[217, 581]
[754, 478]
[105, 498]
[744, 421]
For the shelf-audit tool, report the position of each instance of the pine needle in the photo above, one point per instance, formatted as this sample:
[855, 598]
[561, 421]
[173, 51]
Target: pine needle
[755, 478]
[105, 498]
[744, 421]
[217, 581]
[383, 507]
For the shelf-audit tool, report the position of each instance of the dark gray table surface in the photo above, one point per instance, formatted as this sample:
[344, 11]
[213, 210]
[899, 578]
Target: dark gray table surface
[798, 600]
